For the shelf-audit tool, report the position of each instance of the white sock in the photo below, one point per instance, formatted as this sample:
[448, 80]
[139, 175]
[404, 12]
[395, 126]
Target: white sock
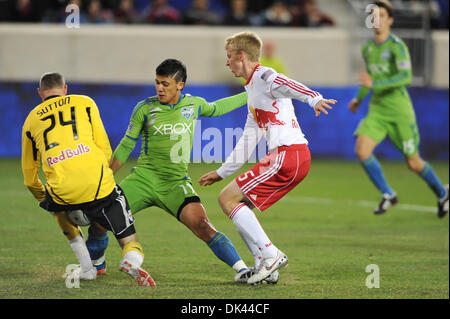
[252, 232]
[78, 246]
[134, 258]
[255, 252]
[239, 265]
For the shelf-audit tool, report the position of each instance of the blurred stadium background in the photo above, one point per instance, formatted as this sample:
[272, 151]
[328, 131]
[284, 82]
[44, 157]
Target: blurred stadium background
[113, 53]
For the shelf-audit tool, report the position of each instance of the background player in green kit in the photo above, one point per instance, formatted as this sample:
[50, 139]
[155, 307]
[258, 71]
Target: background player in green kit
[166, 124]
[391, 112]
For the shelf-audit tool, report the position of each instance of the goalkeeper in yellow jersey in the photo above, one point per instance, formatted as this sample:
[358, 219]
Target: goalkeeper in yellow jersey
[65, 134]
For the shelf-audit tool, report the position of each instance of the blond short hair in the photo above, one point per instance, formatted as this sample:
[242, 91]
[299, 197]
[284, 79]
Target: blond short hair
[248, 42]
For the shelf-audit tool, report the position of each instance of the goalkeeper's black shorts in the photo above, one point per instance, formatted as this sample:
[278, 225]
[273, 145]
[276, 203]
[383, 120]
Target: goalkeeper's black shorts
[111, 212]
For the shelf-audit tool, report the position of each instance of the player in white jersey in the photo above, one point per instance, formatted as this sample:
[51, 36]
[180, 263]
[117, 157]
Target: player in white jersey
[271, 114]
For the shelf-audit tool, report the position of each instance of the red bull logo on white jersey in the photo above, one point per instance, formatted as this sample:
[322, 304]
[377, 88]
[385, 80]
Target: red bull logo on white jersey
[264, 118]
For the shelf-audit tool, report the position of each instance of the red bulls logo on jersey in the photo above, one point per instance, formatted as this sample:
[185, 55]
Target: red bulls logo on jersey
[264, 118]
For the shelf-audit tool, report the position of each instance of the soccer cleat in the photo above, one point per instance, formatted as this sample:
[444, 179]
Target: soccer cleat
[243, 276]
[269, 266]
[101, 268]
[141, 276]
[273, 278]
[386, 202]
[443, 204]
[74, 271]
[91, 274]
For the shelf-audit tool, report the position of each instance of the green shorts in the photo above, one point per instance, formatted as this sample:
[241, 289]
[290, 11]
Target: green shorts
[171, 196]
[403, 134]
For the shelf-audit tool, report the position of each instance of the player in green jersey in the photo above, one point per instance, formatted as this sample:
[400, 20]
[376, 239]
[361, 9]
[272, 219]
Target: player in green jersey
[391, 112]
[166, 124]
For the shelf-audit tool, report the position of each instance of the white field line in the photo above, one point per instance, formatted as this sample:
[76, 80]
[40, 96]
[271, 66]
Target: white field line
[329, 201]
[360, 203]
[292, 199]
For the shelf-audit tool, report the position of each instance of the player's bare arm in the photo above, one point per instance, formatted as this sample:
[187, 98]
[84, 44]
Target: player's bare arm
[115, 165]
[209, 178]
[353, 105]
[322, 105]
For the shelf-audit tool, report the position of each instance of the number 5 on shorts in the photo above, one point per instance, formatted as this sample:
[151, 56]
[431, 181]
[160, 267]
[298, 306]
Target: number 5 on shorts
[245, 175]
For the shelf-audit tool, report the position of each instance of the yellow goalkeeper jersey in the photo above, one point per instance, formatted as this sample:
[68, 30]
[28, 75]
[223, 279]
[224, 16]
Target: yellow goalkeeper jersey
[66, 135]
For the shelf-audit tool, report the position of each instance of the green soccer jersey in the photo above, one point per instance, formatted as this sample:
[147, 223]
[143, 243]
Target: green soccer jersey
[167, 133]
[389, 66]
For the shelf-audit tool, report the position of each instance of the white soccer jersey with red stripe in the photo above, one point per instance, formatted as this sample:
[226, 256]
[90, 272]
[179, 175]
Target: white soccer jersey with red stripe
[270, 108]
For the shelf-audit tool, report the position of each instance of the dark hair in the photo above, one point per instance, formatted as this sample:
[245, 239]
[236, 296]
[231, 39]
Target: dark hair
[387, 5]
[172, 68]
[51, 81]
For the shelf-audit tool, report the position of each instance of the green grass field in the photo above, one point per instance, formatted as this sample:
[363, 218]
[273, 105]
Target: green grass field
[325, 226]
